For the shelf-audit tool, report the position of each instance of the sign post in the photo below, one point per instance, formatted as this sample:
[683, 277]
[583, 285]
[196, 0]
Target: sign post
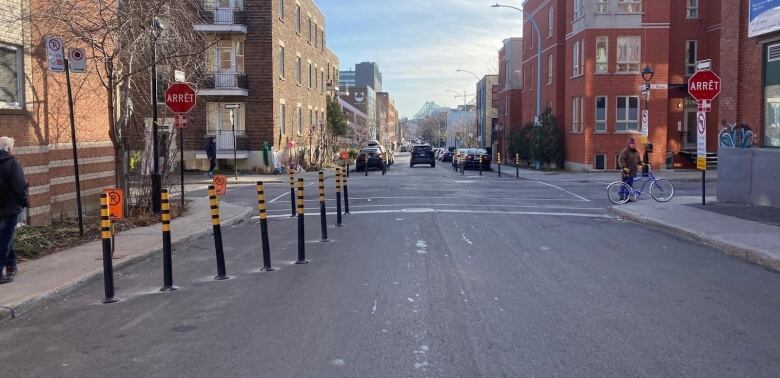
[181, 99]
[704, 86]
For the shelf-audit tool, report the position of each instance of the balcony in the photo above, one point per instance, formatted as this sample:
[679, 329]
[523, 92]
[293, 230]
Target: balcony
[224, 84]
[217, 19]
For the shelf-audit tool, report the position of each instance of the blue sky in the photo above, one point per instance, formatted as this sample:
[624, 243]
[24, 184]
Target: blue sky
[419, 44]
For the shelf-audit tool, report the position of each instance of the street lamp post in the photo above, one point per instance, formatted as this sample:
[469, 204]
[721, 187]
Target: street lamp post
[157, 29]
[647, 75]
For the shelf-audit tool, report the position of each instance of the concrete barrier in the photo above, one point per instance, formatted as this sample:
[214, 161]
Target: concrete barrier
[749, 176]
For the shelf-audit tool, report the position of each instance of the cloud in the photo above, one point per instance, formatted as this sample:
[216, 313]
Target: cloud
[419, 44]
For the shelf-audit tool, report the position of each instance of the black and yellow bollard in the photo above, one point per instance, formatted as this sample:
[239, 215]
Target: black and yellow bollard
[221, 271]
[165, 218]
[338, 197]
[385, 160]
[323, 212]
[498, 161]
[301, 229]
[463, 166]
[480, 165]
[517, 165]
[346, 195]
[261, 208]
[108, 264]
[292, 195]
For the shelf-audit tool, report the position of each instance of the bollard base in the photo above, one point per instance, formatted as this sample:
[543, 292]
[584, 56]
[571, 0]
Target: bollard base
[301, 262]
[339, 225]
[168, 288]
[221, 278]
[269, 269]
[109, 300]
[324, 240]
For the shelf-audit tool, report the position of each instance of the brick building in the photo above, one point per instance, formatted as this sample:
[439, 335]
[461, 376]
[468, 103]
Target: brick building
[509, 93]
[34, 111]
[591, 64]
[387, 119]
[271, 58]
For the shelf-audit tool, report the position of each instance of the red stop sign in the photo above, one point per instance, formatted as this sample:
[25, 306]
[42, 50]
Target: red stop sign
[180, 97]
[704, 85]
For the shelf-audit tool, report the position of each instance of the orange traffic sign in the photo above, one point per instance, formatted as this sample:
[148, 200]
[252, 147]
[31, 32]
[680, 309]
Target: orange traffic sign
[220, 185]
[344, 155]
[116, 203]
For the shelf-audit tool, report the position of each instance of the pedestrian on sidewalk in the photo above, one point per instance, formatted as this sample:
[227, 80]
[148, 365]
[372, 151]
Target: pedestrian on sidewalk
[630, 161]
[211, 154]
[13, 197]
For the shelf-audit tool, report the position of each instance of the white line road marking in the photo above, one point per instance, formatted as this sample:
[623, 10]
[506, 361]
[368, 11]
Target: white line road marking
[427, 210]
[564, 190]
[286, 193]
[472, 197]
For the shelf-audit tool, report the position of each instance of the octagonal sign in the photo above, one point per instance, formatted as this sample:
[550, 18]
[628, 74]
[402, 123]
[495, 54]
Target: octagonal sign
[180, 97]
[704, 85]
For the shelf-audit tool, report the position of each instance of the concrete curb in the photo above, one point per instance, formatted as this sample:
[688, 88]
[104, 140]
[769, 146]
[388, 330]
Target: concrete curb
[67, 288]
[748, 254]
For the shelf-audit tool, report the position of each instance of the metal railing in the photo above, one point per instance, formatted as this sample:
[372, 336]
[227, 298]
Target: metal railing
[217, 80]
[213, 13]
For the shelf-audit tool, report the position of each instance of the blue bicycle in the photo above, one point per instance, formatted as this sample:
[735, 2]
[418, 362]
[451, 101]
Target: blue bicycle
[661, 189]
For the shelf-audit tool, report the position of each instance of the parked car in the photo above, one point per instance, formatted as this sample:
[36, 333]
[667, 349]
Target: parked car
[404, 149]
[458, 155]
[369, 157]
[472, 159]
[422, 154]
[446, 156]
[382, 149]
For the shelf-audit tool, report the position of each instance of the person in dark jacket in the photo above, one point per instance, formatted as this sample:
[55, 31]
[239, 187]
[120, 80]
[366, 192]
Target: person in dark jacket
[630, 161]
[13, 197]
[211, 153]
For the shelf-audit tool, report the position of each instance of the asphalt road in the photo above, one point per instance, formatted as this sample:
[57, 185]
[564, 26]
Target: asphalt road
[433, 275]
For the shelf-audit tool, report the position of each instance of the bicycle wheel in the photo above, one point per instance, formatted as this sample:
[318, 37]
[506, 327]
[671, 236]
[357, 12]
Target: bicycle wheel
[619, 192]
[662, 190]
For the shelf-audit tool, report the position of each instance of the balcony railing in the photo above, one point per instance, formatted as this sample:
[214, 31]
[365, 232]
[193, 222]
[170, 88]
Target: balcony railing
[214, 14]
[225, 80]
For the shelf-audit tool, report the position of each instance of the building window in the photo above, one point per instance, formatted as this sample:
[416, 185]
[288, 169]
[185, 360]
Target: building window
[600, 162]
[281, 62]
[692, 10]
[601, 114]
[298, 18]
[299, 121]
[311, 117]
[281, 9]
[602, 57]
[298, 69]
[311, 79]
[629, 6]
[628, 53]
[576, 114]
[322, 35]
[602, 6]
[220, 120]
[691, 48]
[579, 12]
[576, 55]
[549, 69]
[550, 21]
[282, 119]
[311, 32]
[11, 77]
[322, 81]
[316, 36]
[627, 118]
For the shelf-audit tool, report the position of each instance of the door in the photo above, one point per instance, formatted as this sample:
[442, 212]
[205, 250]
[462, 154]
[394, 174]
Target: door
[690, 136]
[225, 137]
[225, 70]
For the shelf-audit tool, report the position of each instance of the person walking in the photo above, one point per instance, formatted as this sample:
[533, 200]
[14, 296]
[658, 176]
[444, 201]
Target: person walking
[211, 154]
[630, 161]
[13, 197]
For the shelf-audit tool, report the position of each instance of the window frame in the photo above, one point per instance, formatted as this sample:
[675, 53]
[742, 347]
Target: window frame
[281, 10]
[576, 115]
[689, 67]
[549, 69]
[281, 62]
[283, 119]
[602, 6]
[627, 6]
[692, 11]
[310, 78]
[298, 18]
[298, 70]
[602, 67]
[626, 120]
[596, 120]
[550, 21]
[576, 54]
[596, 159]
[18, 52]
[299, 120]
[578, 8]
[628, 63]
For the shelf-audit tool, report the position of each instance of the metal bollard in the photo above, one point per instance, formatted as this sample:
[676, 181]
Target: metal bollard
[365, 166]
[323, 213]
[108, 264]
[498, 161]
[480, 165]
[517, 165]
[463, 167]
[261, 208]
[292, 195]
[221, 273]
[165, 217]
[346, 195]
[301, 230]
[338, 197]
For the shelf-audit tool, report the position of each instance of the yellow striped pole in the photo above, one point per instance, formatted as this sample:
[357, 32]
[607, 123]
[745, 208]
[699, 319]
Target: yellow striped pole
[108, 264]
[262, 210]
[221, 271]
[480, 165]
[338, 195]
[346, 194]
[323, 213]
[499, 164]
[517, 165]
[292, 194]
[301, 241]
[165, 219]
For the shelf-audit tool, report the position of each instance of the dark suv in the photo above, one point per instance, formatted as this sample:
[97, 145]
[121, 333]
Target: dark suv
[422, 154]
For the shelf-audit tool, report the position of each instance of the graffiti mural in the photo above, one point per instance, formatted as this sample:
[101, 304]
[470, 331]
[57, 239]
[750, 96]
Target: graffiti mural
[736, 136]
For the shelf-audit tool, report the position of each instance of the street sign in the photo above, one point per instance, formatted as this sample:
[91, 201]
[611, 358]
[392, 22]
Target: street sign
[704, 65]
[232, 106]
[181, 121]
[55, 52]
[179, 76]
[344, 155]
[701, 141]
[116, 203]
[180, 97]
[77, 60]
[645, 125]
[220, 185]
[704, 85]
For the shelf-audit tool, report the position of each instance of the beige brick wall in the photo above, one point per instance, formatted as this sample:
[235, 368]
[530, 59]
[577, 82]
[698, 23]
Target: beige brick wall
[11, 28]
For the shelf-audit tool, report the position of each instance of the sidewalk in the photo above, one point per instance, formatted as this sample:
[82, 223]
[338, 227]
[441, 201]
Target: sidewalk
[754, 241]
[45, 279]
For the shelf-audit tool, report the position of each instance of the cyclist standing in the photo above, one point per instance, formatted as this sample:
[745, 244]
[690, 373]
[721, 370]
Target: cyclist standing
[629, 161]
